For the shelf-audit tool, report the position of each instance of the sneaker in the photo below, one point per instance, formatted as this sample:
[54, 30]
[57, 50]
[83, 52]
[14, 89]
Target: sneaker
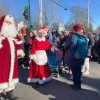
[71, 77]
[86, 73]
[75, 87]
[82, 70]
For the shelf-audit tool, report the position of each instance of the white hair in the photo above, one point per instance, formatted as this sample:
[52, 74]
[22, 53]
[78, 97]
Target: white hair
[42, 31]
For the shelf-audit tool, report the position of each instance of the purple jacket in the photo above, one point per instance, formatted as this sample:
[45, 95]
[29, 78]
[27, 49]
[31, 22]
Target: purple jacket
[70, 59]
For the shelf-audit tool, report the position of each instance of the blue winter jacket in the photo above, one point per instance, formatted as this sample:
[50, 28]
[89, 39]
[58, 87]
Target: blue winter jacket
[71, 42]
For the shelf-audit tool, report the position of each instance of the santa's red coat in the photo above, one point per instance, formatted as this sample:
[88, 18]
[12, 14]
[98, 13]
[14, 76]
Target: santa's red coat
[9, 50]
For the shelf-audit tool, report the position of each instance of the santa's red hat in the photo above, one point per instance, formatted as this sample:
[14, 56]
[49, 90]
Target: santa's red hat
[42, 30]
[77, 27]
[5, 18]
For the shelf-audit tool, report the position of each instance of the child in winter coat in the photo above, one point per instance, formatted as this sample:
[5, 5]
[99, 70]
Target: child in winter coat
[59, 57]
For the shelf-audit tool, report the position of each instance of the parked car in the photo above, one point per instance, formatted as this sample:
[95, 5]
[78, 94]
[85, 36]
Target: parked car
[93, 49]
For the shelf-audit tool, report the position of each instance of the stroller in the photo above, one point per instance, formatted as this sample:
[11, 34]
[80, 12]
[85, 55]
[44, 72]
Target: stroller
[53, 64]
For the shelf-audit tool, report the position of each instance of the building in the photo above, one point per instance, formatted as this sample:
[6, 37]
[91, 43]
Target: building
[58, 26]
[20, 25]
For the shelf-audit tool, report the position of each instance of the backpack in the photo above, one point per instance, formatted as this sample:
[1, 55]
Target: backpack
[81, 50]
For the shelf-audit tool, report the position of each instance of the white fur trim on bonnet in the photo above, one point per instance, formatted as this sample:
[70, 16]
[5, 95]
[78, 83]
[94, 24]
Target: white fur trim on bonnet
[42, 30]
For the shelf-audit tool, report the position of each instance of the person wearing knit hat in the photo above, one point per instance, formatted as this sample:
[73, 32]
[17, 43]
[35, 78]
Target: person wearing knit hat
[71, 60]
[39, 69]
[10, 48]
[77, 27]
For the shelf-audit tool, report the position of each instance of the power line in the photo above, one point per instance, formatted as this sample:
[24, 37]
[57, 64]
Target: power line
[90, 7]
[80, 14]
[93, 2]
[59, 4]
[71, 10]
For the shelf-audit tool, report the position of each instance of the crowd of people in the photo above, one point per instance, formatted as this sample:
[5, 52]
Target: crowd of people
[33, 47]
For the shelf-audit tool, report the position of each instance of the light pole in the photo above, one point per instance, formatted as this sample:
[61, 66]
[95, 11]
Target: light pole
[40, 13]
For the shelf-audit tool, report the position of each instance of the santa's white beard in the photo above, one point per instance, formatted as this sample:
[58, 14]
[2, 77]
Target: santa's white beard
[9, 30]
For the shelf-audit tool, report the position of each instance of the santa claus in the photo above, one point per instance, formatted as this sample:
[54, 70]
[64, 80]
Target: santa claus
[10, 48]
[39, 68]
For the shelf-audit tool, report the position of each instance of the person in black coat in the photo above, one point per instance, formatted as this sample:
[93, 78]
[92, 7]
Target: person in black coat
[90, 44]
[98, 49]
[70, 59]
[62, 41]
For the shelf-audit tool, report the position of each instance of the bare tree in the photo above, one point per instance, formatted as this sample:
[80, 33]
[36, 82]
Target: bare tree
[51, 12]
[97, 29]
[79, 15]
[5, 8]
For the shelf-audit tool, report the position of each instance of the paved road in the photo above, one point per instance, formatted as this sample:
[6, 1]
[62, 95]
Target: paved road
[58, 88]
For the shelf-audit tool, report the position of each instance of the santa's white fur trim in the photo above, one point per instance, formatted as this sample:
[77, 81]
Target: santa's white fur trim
[1, 46]
[19, 52]
[30, 80]
[9, 18]
[1, 91]
[9, 88]
[19, 42]
[6, 85]
[40, 39]
[12, 49]
[1, 38]
[42, 31]
[41, 81]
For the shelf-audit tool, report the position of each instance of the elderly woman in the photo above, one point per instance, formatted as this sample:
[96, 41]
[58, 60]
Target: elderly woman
[39, 69]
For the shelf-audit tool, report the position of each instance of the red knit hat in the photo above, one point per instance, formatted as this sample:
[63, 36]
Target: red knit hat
[77, 27]
[41, 29]
[4, 18]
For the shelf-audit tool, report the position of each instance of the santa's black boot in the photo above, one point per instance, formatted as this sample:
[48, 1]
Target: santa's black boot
[0, 96]
[9, 95]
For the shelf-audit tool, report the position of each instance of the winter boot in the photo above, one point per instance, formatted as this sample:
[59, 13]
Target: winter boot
[9, 95]
[35, 85]
[75, 86]
[0, 96]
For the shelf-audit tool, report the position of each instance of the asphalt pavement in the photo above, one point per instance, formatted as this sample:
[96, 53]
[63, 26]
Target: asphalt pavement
[58, 88]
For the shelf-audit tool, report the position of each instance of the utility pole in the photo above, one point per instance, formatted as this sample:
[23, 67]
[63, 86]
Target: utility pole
[29, 16]
[40, 13]
[88, 13]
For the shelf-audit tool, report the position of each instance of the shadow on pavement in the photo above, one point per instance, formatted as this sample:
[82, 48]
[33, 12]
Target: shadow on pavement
[58, 90]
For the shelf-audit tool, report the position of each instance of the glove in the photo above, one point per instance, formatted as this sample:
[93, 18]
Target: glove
[33, 57]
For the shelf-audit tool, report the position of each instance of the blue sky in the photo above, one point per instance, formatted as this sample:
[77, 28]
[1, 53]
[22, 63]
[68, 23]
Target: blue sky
[94, 8]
